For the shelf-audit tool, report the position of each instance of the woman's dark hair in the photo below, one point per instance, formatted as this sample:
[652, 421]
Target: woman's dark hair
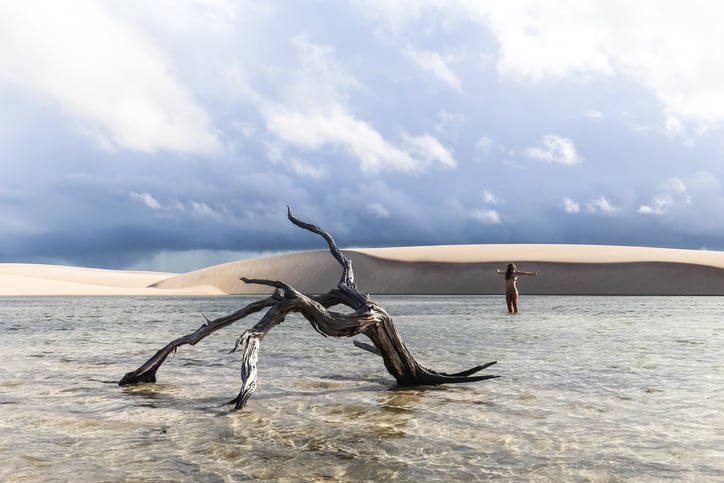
[510, 272]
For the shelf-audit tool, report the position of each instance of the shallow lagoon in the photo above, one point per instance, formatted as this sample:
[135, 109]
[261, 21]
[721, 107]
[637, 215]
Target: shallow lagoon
[592, 389]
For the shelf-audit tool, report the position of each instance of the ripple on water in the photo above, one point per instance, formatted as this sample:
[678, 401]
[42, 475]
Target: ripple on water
[600, 388]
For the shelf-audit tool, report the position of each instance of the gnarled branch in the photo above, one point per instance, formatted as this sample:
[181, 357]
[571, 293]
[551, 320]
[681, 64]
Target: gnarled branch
[365, 318]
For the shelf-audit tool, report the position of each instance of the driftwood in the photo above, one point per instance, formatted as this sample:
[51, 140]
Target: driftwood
[366, 317]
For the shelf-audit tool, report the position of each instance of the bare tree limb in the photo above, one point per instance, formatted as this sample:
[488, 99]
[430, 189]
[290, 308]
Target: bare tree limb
[365, 318]
[147, 372]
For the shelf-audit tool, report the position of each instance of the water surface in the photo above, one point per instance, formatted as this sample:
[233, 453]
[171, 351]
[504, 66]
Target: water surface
[592, 389]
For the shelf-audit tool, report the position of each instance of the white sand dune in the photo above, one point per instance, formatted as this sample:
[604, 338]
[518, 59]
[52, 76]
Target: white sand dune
[547, 253]
[33, 279]
[456, 269]
[471, 269]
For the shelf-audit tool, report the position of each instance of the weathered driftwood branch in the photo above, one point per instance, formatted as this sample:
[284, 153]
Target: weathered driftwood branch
[366, 318]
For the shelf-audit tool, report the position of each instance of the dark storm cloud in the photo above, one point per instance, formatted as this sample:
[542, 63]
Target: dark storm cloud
[387, 126]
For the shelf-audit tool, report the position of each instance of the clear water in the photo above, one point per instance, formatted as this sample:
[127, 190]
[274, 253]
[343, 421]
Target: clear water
[593, 389]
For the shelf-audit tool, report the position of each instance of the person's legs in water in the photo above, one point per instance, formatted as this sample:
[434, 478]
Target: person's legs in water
[510, 301]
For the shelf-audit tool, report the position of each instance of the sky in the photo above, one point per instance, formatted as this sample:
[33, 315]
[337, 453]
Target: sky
[172, 135]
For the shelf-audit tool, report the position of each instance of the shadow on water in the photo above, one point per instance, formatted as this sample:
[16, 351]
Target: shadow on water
[152, 391]
[402, 400]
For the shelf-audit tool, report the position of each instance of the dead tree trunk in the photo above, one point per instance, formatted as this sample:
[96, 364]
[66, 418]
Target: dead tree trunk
[366, 317]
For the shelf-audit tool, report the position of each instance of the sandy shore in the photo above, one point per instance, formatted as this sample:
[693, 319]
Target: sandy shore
[459, 269]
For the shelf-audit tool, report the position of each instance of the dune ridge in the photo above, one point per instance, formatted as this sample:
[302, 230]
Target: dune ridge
[471, 270]
[444, 270]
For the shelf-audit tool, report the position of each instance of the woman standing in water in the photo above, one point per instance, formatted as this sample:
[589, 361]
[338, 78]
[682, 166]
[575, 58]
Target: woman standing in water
[511, 286]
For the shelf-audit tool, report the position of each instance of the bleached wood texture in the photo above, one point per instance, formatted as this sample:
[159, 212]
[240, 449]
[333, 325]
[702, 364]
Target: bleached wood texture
[364, 317]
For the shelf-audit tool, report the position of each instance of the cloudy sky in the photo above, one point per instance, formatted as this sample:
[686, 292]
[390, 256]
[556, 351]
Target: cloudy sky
[171, 135]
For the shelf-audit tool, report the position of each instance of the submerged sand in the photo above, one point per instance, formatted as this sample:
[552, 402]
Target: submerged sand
[451, 269]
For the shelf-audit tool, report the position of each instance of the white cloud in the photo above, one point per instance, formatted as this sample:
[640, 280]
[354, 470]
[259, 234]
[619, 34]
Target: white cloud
[601, 205]
[191, 206]
[378, 210]
[313, 115]
[337, 127]
[146, 199]
[490, 198]
[571, 206]
[593, 114]
[555, 149]
[485, 216]
[675, 128]
[275, 154]
[104, 73]
[428, 150]
[675, 195]
[448, 121]
[539, 41]
[303, 168]
[433, 63]
[675, 184]
[319, 81]
[200, 208]
[670, 48]
[247, 130]
[484, 145]
[658, 206]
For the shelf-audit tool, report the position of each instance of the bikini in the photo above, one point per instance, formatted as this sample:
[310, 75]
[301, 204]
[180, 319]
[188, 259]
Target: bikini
[511, 290]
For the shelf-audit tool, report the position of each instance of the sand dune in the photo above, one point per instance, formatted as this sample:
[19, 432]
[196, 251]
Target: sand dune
[471, 269]
[33, 279]
[458, 269]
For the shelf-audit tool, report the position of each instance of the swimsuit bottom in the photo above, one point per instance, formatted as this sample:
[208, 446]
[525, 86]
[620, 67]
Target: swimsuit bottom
[511, 291]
